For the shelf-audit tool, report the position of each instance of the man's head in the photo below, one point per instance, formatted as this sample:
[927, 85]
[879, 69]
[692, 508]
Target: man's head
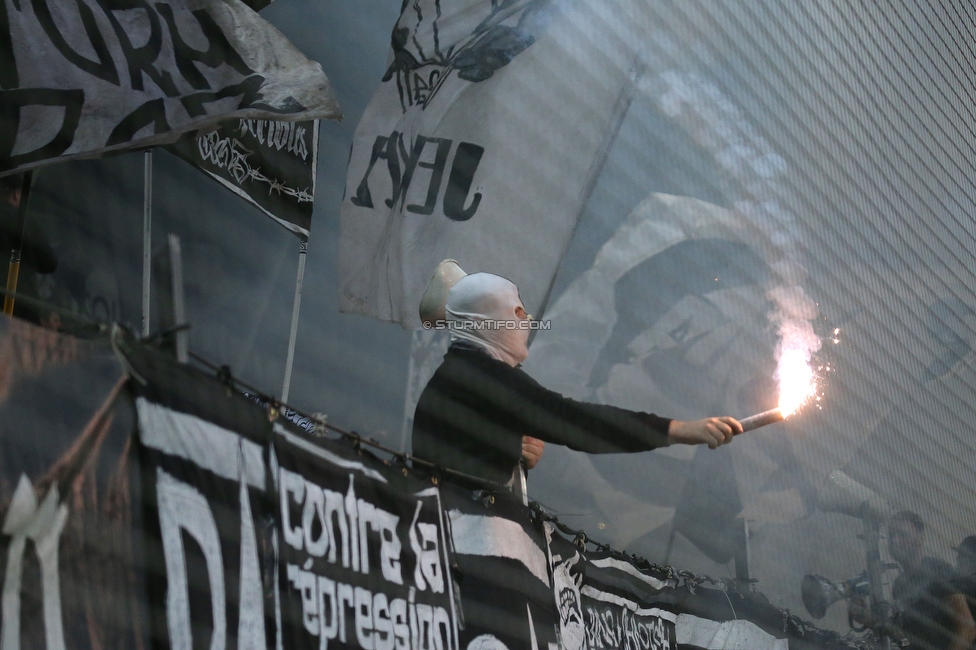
[966, 556]
[491, 304]
[906, 537]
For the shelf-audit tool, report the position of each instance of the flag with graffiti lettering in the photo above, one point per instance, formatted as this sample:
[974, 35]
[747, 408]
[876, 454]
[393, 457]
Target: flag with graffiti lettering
[81, 79]
[266, 162]
[482, 144]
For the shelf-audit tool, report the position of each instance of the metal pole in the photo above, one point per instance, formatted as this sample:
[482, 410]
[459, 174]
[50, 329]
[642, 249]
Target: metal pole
[872, 549]
[296, 308]
[523, 483]
[146, 239]
[179, 309]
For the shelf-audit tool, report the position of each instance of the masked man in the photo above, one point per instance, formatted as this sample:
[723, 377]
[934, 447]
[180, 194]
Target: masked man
[479, 404]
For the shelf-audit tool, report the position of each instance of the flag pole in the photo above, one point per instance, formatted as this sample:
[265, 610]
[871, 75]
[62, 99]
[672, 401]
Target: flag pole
[296, 308]
[13, 271]
[146, 239]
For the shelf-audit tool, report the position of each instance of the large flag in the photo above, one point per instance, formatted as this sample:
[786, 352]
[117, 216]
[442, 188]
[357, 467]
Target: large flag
[79, 79]
[481, 144]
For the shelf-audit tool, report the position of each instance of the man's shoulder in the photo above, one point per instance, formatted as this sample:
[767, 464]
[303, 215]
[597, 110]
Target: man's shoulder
[469, 367]
[940, 576]
[935, 567]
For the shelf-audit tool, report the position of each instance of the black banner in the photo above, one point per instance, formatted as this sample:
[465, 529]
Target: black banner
[209, 516]
[233, 533]
[503, 572]
[607, 602]
[364, 554]
[271, 164]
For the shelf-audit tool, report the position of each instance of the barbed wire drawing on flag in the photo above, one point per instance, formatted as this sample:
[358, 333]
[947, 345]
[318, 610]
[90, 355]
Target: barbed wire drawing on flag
[228, 153]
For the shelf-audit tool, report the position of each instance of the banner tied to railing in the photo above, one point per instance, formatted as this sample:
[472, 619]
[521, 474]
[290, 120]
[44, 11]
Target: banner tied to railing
[213, 527]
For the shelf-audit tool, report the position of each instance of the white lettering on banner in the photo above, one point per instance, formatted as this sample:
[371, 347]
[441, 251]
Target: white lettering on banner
[250, 622]
[423, 543]
[225, 153]
[353, 514]
[182, 508]
[228, 153]
[207, 445]
[344, 523]
[334, 513]
[290, 484]
[343, 529]
[381, 622]
[42, 525]
[287, 136]
[611, 627]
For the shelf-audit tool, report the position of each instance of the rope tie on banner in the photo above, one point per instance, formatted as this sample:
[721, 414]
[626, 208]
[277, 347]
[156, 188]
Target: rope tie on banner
[120, 348]
[319, 425]
[224, 375]
[357, 443]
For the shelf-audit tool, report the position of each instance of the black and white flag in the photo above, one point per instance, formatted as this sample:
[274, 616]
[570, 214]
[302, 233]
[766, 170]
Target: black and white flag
[82, 78]
[210, 505]
[482, 144]
[266, 162]
[502, 571]
[606, 602]
[208, 515]
[364, 554]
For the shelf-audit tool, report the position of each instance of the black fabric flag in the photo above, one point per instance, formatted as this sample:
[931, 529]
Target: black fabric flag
[209, 520]
[607, 602]
[271, 164]
[232, 533]
[502, 572]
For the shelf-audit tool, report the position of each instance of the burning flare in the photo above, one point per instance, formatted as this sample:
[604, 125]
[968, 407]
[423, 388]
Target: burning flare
[794, 372]
[796, 379]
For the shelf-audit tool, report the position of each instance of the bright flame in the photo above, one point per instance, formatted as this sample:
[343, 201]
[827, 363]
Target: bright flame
[797, 381]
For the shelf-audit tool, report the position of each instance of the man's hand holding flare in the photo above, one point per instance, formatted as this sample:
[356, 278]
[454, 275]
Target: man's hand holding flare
[713, 432]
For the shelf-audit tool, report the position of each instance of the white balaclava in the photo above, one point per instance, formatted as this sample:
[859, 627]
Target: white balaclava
[483, 297]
